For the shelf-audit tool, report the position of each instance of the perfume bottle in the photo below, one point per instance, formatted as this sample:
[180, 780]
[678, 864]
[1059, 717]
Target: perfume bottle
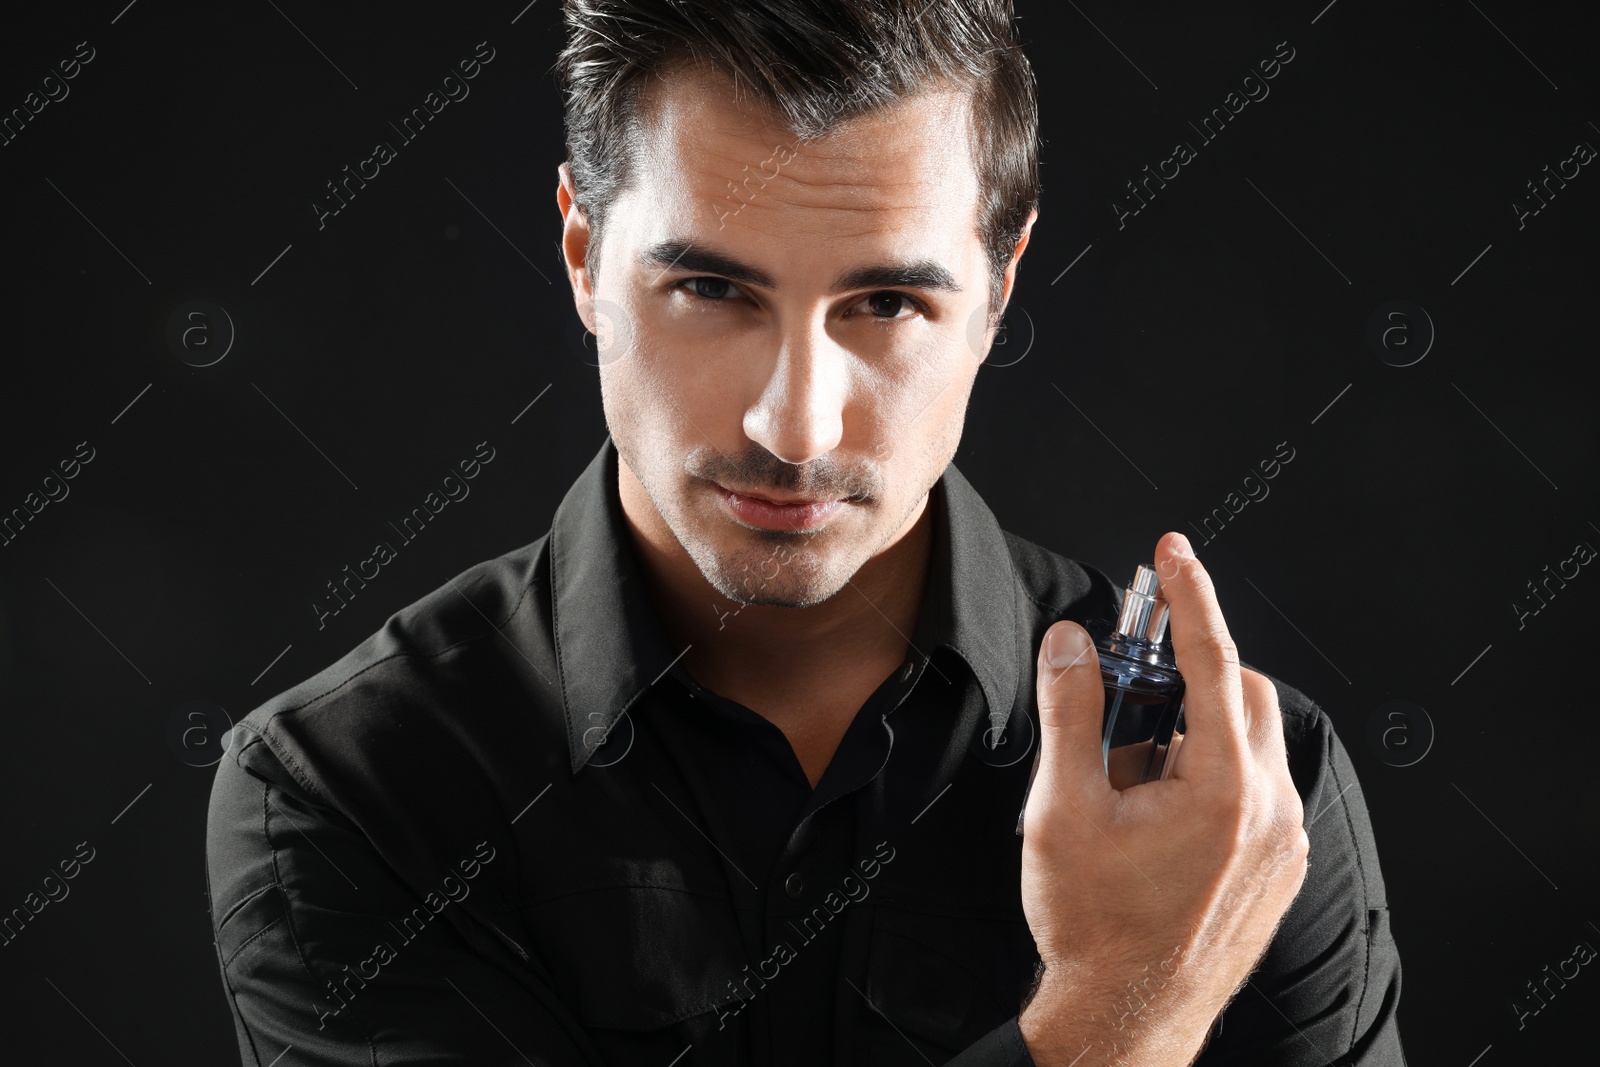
[1144, 691]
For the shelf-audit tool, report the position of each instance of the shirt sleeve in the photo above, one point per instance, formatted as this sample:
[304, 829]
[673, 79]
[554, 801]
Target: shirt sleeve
[1327, 990]
[1000, 1047]
[329, 958]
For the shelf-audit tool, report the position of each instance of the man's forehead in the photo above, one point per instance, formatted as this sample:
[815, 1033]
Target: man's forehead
[715, 166]
[696, 131]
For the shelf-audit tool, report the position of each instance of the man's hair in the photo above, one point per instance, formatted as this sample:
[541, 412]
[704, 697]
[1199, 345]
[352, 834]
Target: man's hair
[813, 64]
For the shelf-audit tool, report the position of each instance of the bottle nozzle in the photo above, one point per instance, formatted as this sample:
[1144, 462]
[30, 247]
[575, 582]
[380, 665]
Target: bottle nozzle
[1144, 609]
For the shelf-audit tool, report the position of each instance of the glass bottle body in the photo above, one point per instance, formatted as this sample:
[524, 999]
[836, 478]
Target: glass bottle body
[1143, 705]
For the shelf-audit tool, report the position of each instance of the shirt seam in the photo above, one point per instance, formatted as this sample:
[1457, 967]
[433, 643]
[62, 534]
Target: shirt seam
[1366, 912]
[294, 766]
[241, 902]
[555, 639]
[288, 914]
[246, 942]
[413, 652]
[1041, 605]
[233, 1003]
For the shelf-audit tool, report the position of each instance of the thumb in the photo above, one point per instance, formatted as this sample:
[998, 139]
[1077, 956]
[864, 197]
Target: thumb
[1071, 711]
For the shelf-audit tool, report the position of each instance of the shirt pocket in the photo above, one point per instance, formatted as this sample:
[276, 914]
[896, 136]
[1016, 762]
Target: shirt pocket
[644, 968]
[941, 982]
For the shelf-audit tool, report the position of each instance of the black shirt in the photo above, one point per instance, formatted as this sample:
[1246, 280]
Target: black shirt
[510, 827]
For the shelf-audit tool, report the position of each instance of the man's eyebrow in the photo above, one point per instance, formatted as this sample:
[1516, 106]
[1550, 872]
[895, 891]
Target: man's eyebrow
[919, 274]
[679, 253]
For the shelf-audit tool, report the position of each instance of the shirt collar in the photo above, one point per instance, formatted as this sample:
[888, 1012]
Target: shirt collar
[611, 647]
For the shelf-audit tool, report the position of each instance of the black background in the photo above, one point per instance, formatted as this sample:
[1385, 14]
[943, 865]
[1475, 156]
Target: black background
[1144, 383]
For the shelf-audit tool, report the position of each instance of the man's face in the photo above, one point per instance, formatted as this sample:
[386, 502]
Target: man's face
[738, 352]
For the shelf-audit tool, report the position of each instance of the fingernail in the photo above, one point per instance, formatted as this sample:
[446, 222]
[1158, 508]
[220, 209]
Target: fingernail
[1065, 646]
[1181, 546]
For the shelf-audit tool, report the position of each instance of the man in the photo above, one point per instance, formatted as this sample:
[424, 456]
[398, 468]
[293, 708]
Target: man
[726, 768]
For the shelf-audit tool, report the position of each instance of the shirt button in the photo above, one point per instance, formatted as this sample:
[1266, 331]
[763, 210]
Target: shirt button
[905, 672]
[794, 885]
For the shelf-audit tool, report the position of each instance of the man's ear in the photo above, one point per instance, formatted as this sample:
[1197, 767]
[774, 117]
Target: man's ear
[575, 236]
[1016, 257]
[981, 335]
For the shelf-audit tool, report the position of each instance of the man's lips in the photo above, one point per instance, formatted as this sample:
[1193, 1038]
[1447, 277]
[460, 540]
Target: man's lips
[782, 501]
[798, 513]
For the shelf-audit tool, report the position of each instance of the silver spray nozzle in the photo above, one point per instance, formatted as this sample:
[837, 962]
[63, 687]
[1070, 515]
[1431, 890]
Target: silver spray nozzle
[1144, 609]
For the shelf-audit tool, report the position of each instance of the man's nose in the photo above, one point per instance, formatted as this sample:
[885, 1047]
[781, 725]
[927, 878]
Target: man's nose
[798, 415]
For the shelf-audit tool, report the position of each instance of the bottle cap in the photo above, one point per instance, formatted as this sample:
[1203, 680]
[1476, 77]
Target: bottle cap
[1144, 609]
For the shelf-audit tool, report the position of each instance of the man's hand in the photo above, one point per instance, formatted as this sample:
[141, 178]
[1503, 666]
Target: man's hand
[1151, 905]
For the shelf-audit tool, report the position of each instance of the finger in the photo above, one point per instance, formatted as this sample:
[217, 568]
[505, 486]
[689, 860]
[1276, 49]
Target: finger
[1206, 655]
[1125, 764]
[1071, 708]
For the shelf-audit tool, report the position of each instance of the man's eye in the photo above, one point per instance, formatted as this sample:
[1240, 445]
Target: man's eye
[708, 288]
[887, 304]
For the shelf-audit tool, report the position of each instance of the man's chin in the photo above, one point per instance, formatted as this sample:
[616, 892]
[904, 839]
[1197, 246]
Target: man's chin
[777, 575]
[806, 598]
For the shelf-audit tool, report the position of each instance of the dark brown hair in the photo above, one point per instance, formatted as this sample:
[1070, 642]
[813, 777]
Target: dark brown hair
[812, 64]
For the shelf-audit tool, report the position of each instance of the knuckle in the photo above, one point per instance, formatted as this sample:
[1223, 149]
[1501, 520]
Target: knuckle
[1220, 649]
[1294, 864]
[1285, 837]
[1258, 689]
[1232, 815]
[1294, 813]
[1287, 829]
[1062, 702]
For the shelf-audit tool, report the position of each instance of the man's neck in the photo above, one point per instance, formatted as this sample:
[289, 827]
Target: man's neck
[821, 654]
